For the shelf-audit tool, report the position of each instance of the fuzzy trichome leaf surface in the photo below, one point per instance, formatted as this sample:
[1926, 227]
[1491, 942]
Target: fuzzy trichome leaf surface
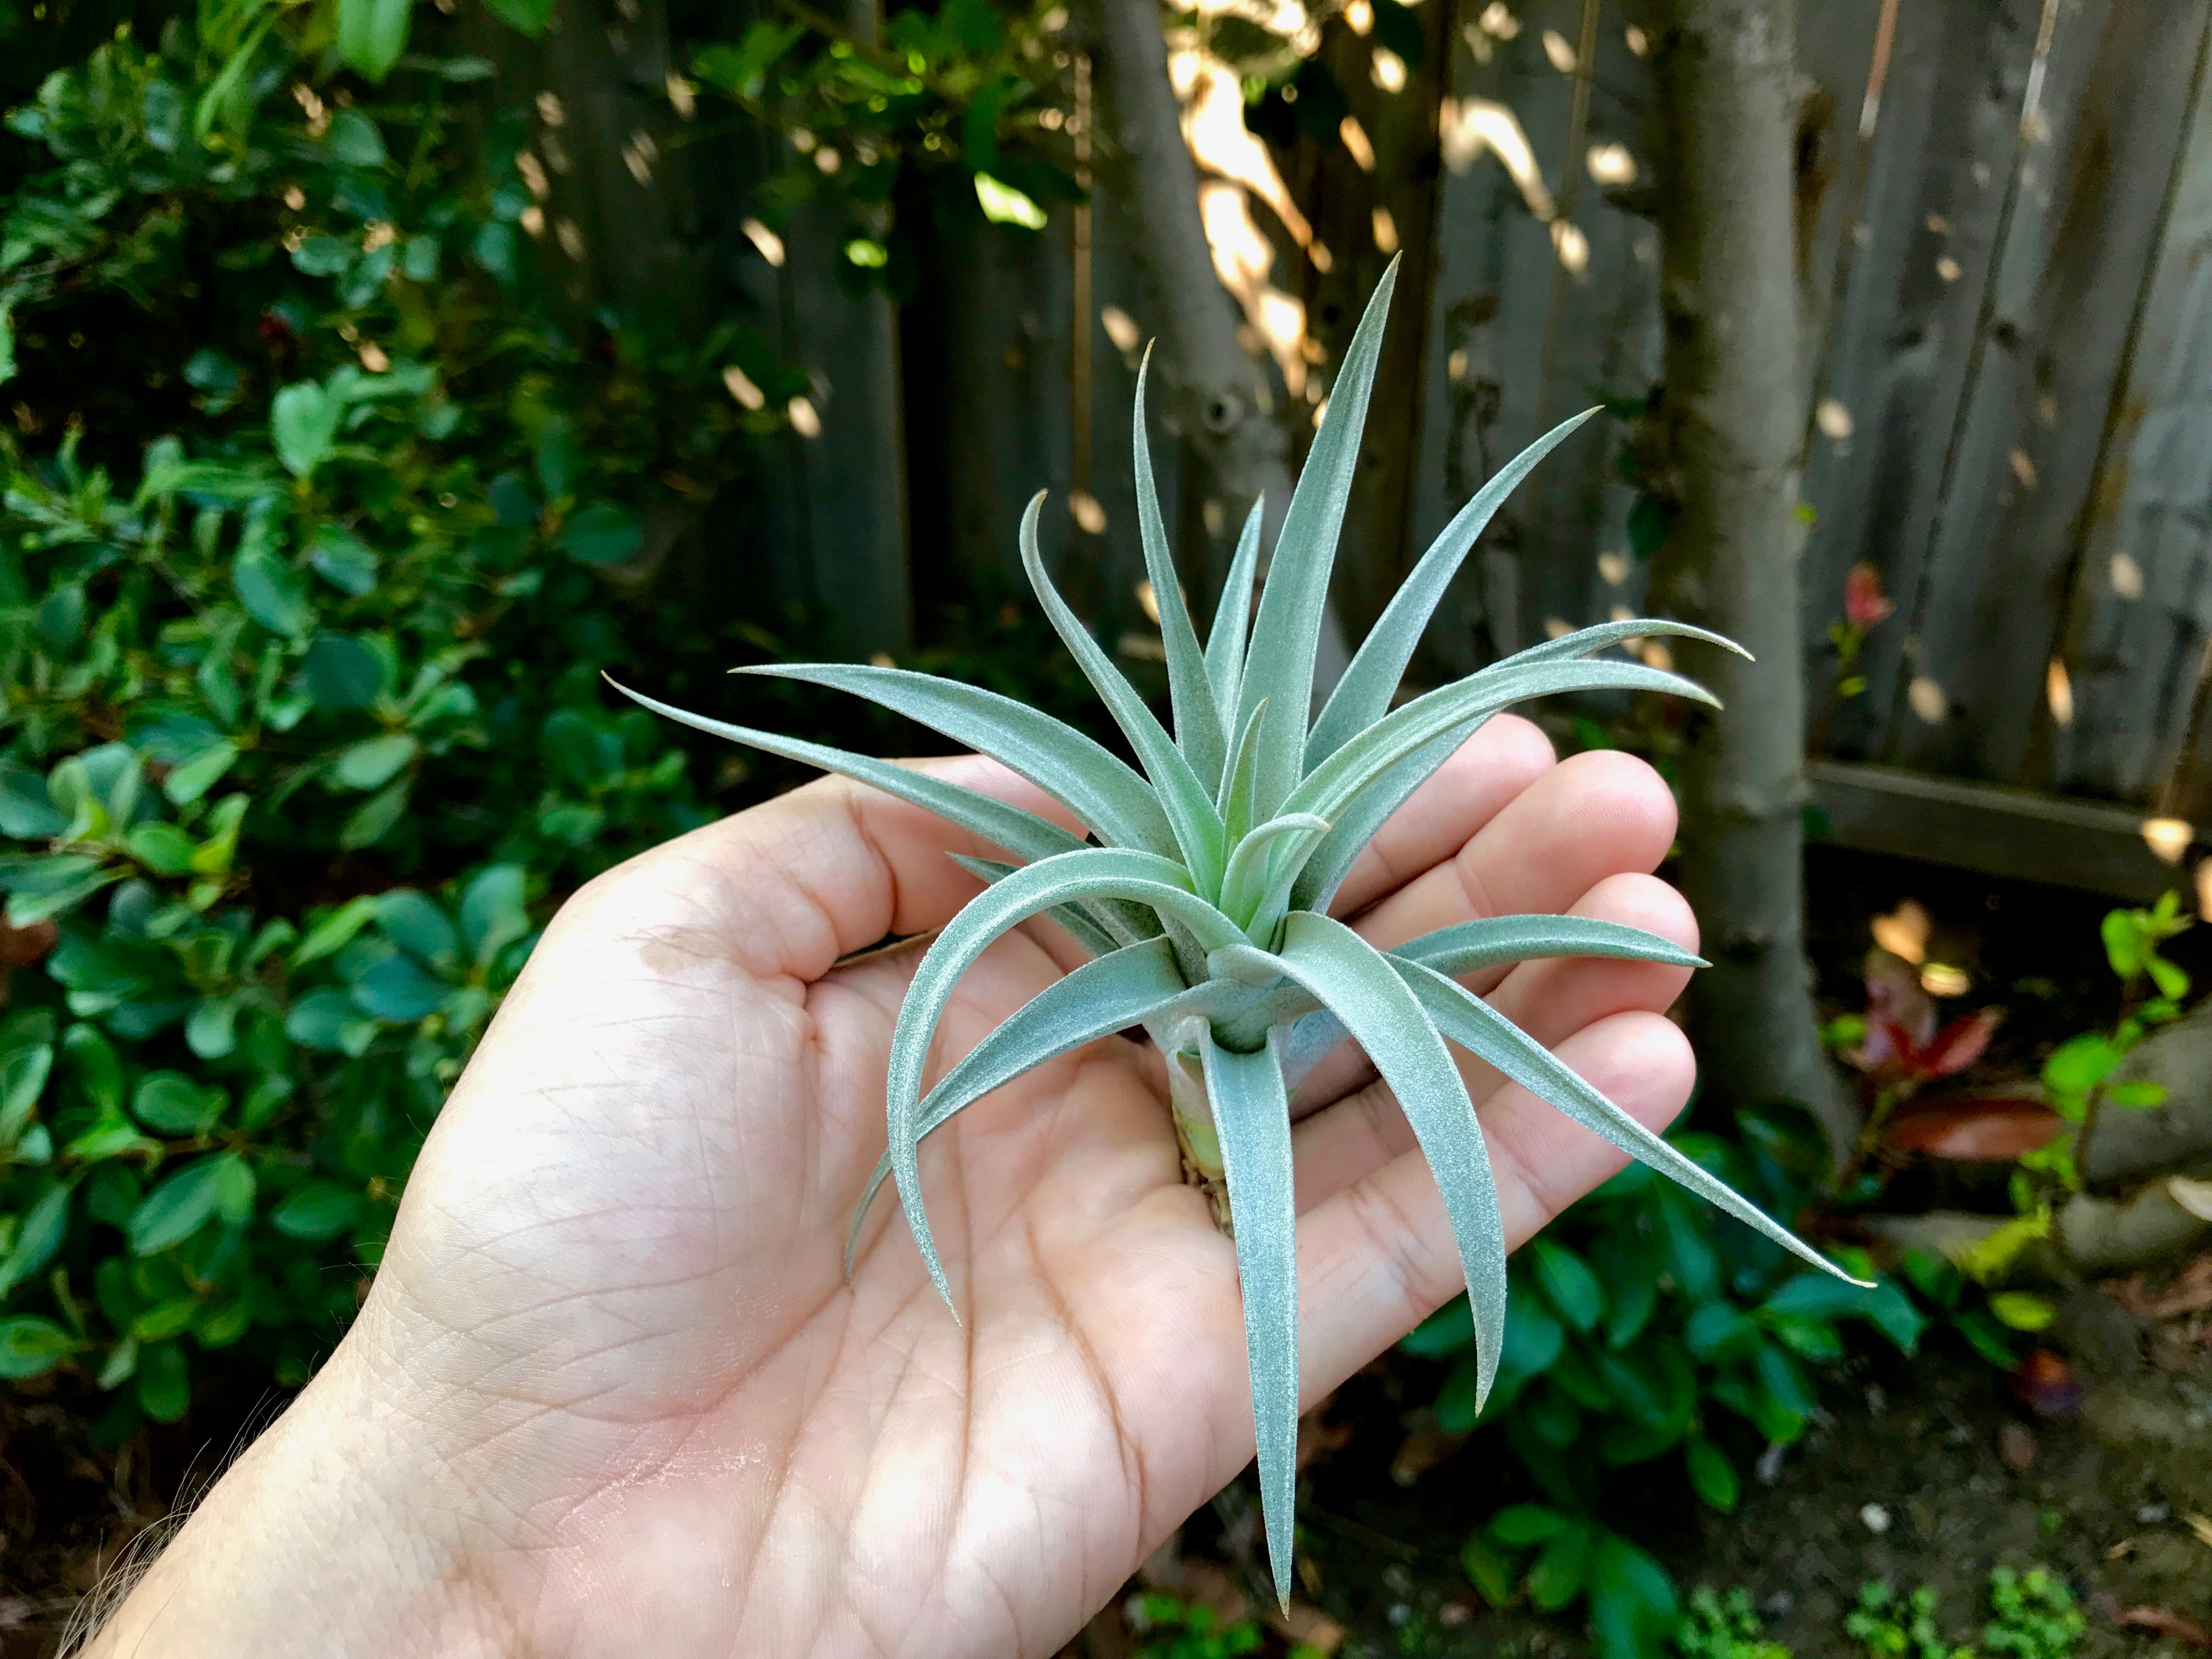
[1203, 892]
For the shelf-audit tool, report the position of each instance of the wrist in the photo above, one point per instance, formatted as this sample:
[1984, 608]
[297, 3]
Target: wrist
[328, 1537]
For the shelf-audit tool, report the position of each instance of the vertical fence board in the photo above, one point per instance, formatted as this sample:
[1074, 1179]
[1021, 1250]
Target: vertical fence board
[2093, 189]
[2142, 603]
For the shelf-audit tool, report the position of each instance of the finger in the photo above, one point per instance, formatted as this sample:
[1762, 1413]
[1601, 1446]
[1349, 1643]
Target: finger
[1551, 1000]
[1377, 1258]
[1592, 815]
[789, 886]
[1503, 757]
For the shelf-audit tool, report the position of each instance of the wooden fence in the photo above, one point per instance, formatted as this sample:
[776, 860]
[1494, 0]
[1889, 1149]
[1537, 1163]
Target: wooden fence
[2007, 212]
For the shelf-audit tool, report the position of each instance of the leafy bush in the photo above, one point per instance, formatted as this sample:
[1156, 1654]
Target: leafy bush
[303, 732]
[1632, 1319]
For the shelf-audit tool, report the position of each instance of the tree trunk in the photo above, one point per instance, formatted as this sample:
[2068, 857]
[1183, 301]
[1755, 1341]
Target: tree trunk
[1216, 404]
[1731, 417]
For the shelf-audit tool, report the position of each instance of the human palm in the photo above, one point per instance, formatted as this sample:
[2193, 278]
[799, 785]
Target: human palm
[651, 1414]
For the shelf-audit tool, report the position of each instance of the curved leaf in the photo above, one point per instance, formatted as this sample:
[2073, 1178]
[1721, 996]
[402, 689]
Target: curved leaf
[1480, 1030]
[1091, 783]
[1363, 695]
[1091, 931]
[1190, 808]
[1021, 833]
[1258, 858]
[1279, 665]
[1492, 941]
[1225, 643]
[1237, 779]
[1133, 984]
[1088, 873]
[1597, 637]
[1363, 817]
[1338, 781]
[1362, 986]
[1252, 1117]
[1190, 693]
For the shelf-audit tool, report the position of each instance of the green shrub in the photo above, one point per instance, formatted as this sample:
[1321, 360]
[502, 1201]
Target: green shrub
[1635, 1319]
[303, 730]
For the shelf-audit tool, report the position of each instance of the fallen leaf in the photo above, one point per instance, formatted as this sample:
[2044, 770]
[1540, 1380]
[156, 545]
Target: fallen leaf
[2016, 1445]
[2188, 1291]
[2166, 1622]
[1974, 1128]
[2201, 1525]
[1308, 1626]
[1423, 1449]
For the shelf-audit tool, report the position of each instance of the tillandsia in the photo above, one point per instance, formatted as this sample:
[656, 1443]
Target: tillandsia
[1202, 892]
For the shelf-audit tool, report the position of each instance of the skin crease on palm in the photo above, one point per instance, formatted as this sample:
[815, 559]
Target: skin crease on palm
[611, 1394]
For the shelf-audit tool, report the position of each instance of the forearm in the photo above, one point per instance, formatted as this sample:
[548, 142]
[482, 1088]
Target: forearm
[323, 1540]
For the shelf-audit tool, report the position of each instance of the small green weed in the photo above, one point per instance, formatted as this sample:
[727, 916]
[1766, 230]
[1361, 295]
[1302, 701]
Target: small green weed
[1723, 1624]
[2032, 1615]
[1174, 1629]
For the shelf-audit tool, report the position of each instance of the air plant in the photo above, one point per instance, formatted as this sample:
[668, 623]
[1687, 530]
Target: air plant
[1203, 891]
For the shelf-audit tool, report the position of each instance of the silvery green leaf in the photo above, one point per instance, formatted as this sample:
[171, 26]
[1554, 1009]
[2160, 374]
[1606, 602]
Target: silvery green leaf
[1363, 695]
[1094, 933]
[1224, 642]
[1190, 693]
[1190, 808]
[1287, 630]
[1333, 785]
[1492, 941]
[1253, 1118]
[1583, 640]
[1126, 989]
[1238, 781]
[1023, 834]
[1090, 873]
[1473, 1023]
[1363, 817]
[1253, 865]
[1091, 783]
[1363, 989]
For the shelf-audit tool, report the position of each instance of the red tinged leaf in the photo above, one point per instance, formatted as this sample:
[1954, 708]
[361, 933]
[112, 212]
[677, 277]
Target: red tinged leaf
[1974, 1128]
[1959, 1044]
[1865, 605]
[2166, 1622]
[2046, 1384]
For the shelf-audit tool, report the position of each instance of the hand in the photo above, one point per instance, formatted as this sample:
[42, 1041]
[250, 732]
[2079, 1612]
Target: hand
[611, 1394]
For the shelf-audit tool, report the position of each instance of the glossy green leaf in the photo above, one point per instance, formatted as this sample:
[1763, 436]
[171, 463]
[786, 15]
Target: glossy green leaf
[1279, 666]
[30, 1345]
[178, 1208]
[1567, 1283]
[371, 33]
[316, 1210]
[1713, 1477]
[1359, 983]
[1197, 721]
[1363, 695]
[1100, 790]
[1253, 1116]
[1188, 802]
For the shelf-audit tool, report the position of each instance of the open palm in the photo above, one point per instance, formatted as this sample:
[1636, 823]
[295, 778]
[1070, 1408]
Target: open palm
[614, 1306]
